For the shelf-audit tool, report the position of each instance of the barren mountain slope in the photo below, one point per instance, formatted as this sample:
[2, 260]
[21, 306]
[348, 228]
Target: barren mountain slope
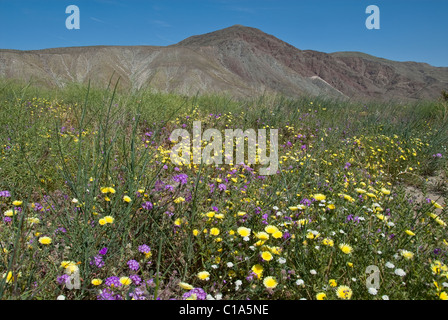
[238, 60]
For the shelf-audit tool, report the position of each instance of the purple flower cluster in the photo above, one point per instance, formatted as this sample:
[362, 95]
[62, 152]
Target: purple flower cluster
[38, 207]
[5, 194]
[350, 217]
[252, 275]
[199, 292]
[181, 178]
[265, 218]
[63, 279]
[98, 259]
[113, 281]
[61, 229]
[133, 265]
[144, 248]
[306, 202]
[108, 294]
[138, 294]
[147, 205]
[169, 213]
[136, 279]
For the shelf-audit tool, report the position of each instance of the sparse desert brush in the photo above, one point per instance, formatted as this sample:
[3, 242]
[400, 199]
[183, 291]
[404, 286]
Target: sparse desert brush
[444, 95]
[88, 193]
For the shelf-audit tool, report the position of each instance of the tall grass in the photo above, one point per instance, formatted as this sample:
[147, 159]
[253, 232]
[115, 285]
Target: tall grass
[61, 147]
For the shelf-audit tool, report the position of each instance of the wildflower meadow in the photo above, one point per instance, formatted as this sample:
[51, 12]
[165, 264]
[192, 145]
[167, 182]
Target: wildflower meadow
[93, 208]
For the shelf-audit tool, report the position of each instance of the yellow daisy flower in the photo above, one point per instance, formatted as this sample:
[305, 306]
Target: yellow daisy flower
[203, 275]
[45, 240]
[270, 282]
[266, 255]
[321, 296]
[346, 248]
[344, 292]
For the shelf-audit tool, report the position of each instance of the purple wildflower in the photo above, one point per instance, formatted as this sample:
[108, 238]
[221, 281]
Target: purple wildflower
[5, 194]
[98, 261]
[181, 178]
[144, 249]
[200, 294]
[135, 279]
[113, 282]
[38, 207]
[61, 229]
[147, 205]
[108, 294]
[138, 294]
[63, 279]
[133, 265]
[306, 202]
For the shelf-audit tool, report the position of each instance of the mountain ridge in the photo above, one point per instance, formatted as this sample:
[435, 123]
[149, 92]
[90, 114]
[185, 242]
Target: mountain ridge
[238, 60]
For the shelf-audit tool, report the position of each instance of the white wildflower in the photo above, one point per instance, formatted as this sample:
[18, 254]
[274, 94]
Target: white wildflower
[300, 282]
[400, 272]
[373, 291]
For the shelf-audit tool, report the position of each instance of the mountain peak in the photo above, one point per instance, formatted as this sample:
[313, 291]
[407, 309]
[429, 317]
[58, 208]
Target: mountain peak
[238, 26]
[235, 32]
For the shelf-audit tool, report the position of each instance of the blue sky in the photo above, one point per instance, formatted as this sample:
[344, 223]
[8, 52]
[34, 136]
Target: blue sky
[410, 30]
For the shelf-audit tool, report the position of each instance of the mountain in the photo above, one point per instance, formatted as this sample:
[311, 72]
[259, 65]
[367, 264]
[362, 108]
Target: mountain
[238, 60]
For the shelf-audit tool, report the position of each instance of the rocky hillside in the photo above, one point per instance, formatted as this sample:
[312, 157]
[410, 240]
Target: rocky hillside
[238, 60]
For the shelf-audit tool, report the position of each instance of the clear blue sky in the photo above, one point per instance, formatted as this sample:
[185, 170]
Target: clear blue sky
[411, 30]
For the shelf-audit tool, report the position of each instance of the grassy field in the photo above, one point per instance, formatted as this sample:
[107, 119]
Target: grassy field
[87, 187]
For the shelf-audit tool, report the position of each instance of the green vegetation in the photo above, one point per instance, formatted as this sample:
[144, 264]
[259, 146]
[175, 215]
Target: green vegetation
[83, 169]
